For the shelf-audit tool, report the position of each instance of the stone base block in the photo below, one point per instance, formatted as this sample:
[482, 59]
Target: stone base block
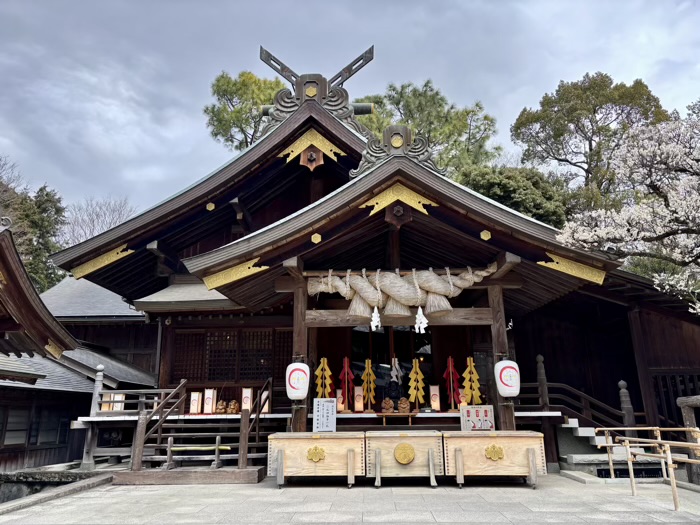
[189, 476]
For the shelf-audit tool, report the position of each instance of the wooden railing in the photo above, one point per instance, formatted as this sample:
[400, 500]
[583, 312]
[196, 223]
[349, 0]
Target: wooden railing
[664, 455]
[631, 432]
[546, 396]
[247, 426]
[167, 406]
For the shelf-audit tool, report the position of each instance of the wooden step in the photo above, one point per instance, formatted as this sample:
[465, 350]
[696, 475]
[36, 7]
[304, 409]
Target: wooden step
[155, 446]
[209, 457]
[166, 435]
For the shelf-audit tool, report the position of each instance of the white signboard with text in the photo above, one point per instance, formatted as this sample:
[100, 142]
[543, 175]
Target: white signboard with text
[324, 415]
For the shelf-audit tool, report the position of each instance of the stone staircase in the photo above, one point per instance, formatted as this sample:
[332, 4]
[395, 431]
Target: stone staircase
[578, 451]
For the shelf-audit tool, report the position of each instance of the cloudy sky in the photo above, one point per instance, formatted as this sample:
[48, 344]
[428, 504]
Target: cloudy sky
[105, 98]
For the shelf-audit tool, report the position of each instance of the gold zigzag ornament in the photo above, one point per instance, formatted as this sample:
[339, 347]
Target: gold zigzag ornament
[472, 394]
[416, 384]
[324, 380]
[398, 192]
[368, 385]
[312, 138]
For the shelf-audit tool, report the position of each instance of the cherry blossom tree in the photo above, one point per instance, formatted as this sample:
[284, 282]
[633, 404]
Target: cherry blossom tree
[658, 168]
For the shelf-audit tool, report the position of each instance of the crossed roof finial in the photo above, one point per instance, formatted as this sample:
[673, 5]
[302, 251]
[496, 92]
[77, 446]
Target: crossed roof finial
[338, 79]
[315, 87]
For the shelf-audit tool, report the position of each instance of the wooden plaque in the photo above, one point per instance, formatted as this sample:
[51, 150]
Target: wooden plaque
[246, 398]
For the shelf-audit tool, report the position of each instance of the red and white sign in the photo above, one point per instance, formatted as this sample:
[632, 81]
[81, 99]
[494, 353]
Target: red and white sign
[435, 397]
[209, 400]
[297, 381]
[507, 378]
[246, 398]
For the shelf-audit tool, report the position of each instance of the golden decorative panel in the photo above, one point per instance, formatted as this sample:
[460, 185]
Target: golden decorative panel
[53, 349]
[576, 269]
[494, 452]
[398, 192]
[232, 274]
[316, 454]
[210, 206]
[485, 235]
[316, 238]
[404, 453]
[312, 138]
[311, 91]
[100, 262]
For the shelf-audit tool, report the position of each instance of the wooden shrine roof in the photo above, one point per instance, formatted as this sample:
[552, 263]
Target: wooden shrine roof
[468, 203]
[22, 313]
[146, 227]
[448, 235]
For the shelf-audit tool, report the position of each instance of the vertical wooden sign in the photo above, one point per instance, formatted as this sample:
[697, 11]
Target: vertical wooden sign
[209, 400]
[246, 398]
[359, 399]
[435, 397]
[195, 403]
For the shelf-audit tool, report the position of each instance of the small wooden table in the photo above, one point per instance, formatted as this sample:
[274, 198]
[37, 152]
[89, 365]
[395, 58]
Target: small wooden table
[409, 415]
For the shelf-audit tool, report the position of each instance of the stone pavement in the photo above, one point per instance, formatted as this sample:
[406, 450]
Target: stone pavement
[556, 500]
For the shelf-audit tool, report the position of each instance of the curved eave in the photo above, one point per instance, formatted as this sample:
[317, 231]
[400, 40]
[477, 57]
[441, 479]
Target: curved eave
[494, 216]
[23, 304]
[213, 183]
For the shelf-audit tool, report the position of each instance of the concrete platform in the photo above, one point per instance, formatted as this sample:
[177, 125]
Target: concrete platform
[191, 476]
[556, 500]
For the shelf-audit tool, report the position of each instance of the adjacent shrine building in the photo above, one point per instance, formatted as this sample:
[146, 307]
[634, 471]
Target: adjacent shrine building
[259, 263]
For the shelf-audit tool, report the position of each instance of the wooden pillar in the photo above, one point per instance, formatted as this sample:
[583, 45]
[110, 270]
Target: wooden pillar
[639, 344]
[499, 346]
[300, 345]
[166, 353]
[95, 405]
[88, 462]
[688, 405]
[551, 450]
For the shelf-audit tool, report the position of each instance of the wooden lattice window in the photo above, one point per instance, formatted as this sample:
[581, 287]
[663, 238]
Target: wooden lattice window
[235, 355]
[283, 354]
[255, 355]
[190, 357]
[222, 347]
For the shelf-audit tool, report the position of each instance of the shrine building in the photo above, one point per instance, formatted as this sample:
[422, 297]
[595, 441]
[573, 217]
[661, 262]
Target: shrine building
[323, 243]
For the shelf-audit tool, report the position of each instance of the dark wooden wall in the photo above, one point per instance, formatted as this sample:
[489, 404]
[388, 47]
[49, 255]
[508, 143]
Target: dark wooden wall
[586, 345]
[668, 356]
[67, 405]
[134, 343]
[672, 343]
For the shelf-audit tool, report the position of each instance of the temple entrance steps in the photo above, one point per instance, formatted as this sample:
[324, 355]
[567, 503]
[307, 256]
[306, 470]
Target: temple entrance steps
[578, 451]
[193, 440]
